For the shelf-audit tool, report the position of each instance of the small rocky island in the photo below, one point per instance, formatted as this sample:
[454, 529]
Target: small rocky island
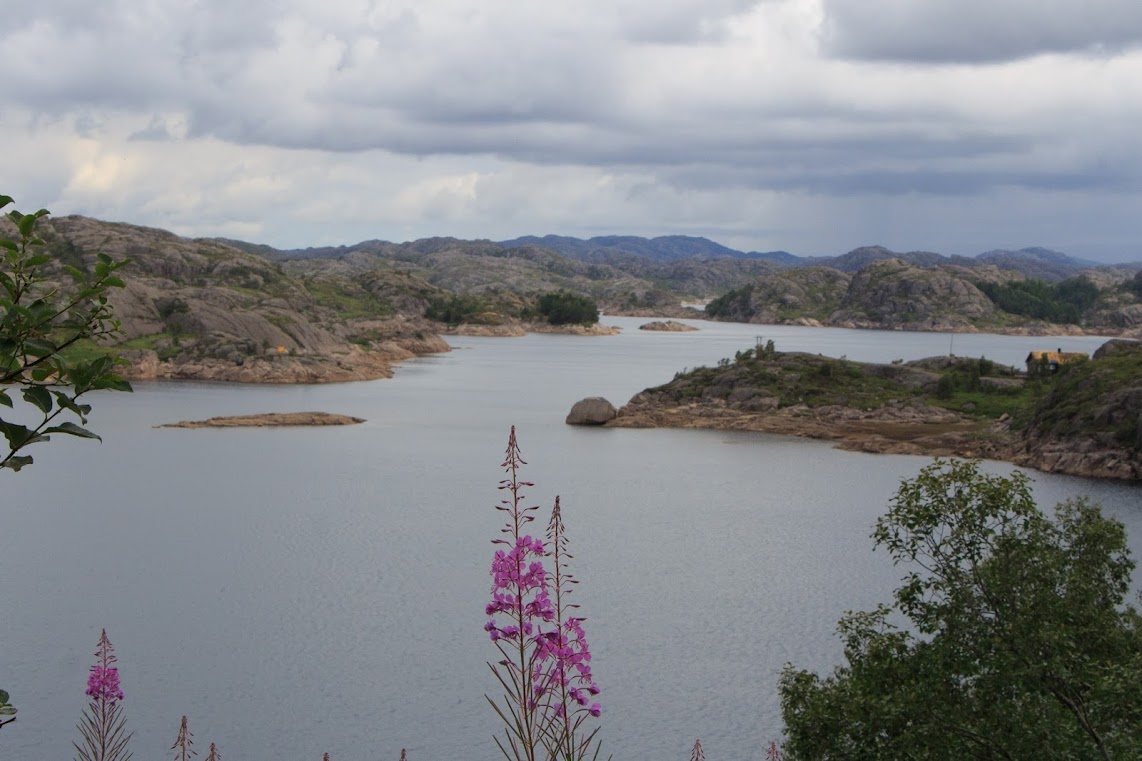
[668, 326]
[268, 419]
[1083, 418]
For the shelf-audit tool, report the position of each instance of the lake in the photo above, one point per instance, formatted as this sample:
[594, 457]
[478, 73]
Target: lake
[300, 591]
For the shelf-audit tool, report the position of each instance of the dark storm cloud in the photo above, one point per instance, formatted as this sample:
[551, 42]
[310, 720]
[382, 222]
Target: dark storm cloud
[973, 31]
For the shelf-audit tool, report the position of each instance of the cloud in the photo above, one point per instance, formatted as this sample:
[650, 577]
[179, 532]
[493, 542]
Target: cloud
[975, 31]
[316, 121]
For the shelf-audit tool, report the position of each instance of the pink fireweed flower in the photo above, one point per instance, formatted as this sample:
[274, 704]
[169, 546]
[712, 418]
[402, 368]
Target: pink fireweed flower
[102, 729]
[103, 684]
[545, 670]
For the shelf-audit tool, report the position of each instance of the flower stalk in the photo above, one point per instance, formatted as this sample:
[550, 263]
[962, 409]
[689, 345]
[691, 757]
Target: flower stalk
[544, 667]
[102, 729]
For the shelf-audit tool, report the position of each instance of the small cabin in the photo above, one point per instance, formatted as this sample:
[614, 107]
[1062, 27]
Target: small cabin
[1049, 361]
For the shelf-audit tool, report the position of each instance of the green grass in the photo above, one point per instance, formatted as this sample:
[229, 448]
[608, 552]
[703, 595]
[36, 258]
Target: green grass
[990, 404]
[86, 350]
[345, 300]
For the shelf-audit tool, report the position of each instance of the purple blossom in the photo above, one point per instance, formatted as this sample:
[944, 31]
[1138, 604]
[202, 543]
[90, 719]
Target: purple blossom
[103, 684]
[546, 665]
[102, 729]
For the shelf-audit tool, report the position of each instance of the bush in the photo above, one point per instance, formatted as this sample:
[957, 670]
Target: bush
[565, 308]
[734, 306]
[1063, 302]
[455, 309]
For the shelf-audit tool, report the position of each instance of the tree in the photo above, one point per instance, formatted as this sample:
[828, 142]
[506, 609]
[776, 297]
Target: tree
[563, 308]
[1018, 642]
[48, 311]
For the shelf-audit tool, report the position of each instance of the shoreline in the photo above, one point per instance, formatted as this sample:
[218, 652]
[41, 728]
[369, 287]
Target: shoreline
[961, 438]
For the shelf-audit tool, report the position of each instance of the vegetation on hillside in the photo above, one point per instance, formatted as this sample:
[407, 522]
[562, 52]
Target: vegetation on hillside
[1100, 400]
[1064, 302]
[785, 379]
[565, 308]
[1084, 419]
[734, 305]
[895, 293]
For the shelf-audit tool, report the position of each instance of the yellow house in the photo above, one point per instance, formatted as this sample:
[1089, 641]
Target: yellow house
[1050, 360]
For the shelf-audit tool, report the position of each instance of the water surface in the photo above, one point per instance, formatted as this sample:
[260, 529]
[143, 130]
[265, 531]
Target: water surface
[299, 591]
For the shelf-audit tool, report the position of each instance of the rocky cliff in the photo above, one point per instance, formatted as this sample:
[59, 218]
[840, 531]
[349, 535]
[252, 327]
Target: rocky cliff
[889, 293]
[200, 309]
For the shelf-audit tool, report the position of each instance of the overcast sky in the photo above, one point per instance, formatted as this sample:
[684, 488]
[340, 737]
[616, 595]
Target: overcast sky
[813, 126]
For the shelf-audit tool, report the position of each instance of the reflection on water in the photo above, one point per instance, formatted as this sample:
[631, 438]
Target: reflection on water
[295, 591]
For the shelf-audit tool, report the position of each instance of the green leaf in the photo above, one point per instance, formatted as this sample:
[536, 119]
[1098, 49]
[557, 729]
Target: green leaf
[72, 430]
[112, 383]
[3, 694]
[40, 347]
[39, 396]
[26, 225]
[5, 399]
[16, 462]
[16, 434]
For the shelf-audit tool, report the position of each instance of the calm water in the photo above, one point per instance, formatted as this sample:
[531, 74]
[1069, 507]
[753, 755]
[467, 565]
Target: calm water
[296, 591]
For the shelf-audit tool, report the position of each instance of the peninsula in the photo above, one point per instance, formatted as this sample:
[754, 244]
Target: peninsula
[1082, 418]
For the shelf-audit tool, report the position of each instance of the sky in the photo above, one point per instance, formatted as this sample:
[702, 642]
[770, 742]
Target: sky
[812, 126]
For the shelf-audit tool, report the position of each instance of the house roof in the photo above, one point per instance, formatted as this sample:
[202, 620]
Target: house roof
[1056, 356]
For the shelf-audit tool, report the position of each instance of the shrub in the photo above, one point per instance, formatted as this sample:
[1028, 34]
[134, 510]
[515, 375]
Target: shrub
[565, 308]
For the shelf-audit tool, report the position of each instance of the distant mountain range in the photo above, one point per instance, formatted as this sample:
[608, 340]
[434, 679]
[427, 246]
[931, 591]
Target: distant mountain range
[1036, 262]
[635, 253]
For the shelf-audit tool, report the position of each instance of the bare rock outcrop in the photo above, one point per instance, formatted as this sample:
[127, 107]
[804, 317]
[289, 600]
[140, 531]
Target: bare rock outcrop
[894, 293]
[598, 329]
[268, 419]
[668, 326]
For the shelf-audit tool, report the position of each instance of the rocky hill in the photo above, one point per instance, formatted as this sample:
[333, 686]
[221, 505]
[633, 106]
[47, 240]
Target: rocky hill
[1085, 420]
[232, 310]
[1039, 263]
[1089, 420]
[1033, 262]
[202, 309]
[894, 294]
[652, 276]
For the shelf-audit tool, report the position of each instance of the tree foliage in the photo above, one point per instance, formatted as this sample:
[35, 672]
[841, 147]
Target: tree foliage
[1063, 302]
[1018, 644]
[454, 308]
[734, 305]
[1135, 285]
[565, 308]
[45, 309]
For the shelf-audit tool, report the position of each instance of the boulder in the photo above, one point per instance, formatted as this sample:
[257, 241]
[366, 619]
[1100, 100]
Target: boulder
[594, 410]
